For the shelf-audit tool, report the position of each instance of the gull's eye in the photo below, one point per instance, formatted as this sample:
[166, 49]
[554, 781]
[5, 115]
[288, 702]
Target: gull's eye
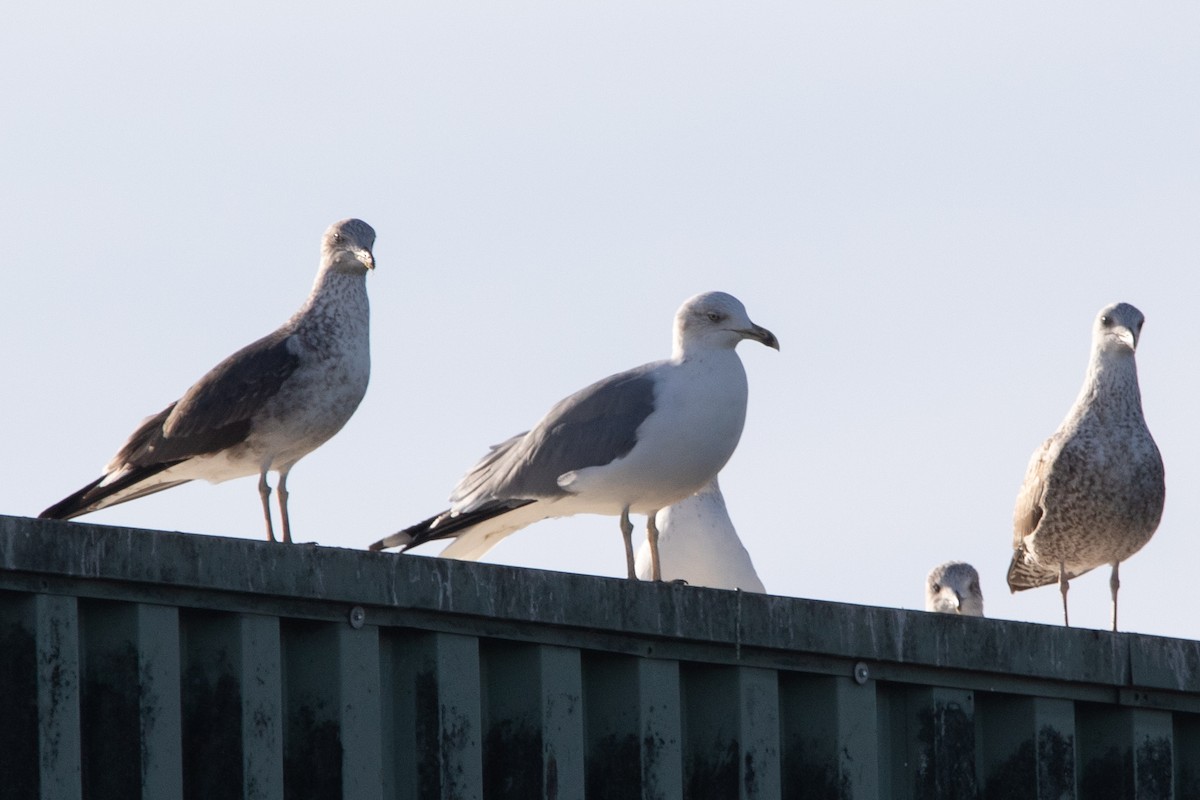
[338, 238]
[937, 587]
[1106, 321]
[713, 316]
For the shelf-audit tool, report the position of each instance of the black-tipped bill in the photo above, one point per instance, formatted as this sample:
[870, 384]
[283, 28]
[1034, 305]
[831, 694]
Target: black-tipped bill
[761, 334]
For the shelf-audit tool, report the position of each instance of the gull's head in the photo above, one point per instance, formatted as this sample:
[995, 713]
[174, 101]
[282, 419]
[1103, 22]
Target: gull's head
[716, 320]
[1118, 329]
[953, 588]
[346, 247]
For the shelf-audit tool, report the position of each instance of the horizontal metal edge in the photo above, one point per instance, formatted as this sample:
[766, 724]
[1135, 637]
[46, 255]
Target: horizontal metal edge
[307, 573]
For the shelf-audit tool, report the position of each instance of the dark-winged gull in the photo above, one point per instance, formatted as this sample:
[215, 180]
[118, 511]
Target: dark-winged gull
[267, 405]
[953, 588]
[634, 442]
[1094, 491]
[698, 544]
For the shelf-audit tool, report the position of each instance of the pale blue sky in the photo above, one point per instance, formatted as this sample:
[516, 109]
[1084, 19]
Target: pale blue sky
[927, 204]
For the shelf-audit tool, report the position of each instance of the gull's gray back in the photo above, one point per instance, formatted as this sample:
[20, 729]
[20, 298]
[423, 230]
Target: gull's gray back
[593, 427]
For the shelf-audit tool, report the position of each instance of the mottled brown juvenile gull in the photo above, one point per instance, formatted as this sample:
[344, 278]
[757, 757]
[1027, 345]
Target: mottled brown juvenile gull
[698, 544]
[1094, 491]
[953, 588]
[634, 442]
[267, 405]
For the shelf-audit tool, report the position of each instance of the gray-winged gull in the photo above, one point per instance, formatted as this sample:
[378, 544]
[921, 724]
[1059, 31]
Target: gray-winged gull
[634, 442]
[698, 544]
[1094, 491]
[953, 588]
[267, 405]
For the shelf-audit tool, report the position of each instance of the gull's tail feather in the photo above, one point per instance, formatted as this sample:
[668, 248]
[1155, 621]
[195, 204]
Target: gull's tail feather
[140, 459]
[406, 537]
[97, 494]
[465, 528]
[1023, 574]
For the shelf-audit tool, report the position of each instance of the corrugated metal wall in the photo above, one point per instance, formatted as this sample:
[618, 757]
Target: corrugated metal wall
[158, 665]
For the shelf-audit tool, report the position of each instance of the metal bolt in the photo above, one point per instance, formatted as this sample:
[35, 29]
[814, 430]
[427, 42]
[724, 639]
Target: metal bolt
[861, 673]
[357, 617]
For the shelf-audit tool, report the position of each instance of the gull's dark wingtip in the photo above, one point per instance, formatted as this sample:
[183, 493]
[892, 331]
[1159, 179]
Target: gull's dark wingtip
[73, 505]
[96, 496]
[400, 539]
[444, 526]
[409, 537]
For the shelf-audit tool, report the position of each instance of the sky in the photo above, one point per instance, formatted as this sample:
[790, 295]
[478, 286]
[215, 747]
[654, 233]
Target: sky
[928, 204]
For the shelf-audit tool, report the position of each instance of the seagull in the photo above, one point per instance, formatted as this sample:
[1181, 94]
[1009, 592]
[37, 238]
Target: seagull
[634, 442]
[698, 544]
[266, 406]
[1094, 491]
[953, 588]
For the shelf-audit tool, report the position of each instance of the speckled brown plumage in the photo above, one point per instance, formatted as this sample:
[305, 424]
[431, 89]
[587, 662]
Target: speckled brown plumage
[266, 406]
[1094, 491]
